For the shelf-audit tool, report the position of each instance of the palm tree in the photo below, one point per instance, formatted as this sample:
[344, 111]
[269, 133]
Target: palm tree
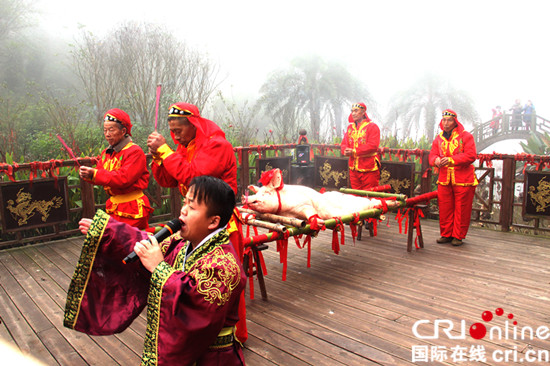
[311, 89]
[537, 144]
[418, 108]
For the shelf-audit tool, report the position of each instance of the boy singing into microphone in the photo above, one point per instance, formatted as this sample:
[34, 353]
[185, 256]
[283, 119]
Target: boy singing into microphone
[191, 282]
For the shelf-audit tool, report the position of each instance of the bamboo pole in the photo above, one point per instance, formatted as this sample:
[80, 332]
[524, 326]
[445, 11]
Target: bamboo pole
[398, 197]
[268, 225]
[292, 221]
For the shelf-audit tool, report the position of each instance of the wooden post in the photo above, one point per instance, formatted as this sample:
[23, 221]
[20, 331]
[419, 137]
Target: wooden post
[507, 196]
[425, 183]
[175, 202]
[88, 200]
[245, 171]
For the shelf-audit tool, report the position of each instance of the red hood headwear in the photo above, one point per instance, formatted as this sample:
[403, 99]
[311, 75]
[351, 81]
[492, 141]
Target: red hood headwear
[119, 116]
[359, 106]
[449, 112]
[205, 127]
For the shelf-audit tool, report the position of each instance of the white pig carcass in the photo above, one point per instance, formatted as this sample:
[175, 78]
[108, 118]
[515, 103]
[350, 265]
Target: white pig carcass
[303, 202]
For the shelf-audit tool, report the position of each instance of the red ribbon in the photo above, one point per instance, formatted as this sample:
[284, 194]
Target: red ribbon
[8, 169]
[282, 249]
[335, 243]
[307, 241]
[402, 214]
[417, 215]
[353, 226]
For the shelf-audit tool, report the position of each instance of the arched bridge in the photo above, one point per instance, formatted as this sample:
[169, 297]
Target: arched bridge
[485, 134]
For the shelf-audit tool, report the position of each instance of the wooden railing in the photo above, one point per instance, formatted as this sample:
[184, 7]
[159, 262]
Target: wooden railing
[485, 135]
[165, 201]
[498, 202]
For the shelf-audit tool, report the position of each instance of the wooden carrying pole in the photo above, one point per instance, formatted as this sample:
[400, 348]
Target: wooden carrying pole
[292, 221]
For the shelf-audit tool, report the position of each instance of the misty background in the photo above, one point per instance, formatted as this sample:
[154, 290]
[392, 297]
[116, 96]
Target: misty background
[263, 70]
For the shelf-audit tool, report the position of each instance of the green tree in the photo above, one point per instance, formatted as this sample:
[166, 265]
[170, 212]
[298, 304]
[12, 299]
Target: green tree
[537, 144]
[417, 109]
[315, 90]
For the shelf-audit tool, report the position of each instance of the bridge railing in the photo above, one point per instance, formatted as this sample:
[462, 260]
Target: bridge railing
[498, 202]
[503, 127]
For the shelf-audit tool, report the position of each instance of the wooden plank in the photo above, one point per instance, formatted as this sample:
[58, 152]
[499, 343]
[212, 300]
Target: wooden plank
[299, 331]
[17, 330]
[266, 350]
[21, 317]
[66, 341]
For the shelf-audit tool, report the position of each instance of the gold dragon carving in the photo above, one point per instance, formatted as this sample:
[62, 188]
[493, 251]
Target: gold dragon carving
[327, 174]
[396, 184]
[24, 207]
[540, 196]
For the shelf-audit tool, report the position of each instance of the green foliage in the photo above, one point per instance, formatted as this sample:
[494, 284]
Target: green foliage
[393, 142]
[537, 145]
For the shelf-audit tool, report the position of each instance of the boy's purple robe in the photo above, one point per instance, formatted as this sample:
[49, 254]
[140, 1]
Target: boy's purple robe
[191, 311]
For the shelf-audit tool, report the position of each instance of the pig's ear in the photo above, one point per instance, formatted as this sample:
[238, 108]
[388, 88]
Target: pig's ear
[253, 188]
[277, 179]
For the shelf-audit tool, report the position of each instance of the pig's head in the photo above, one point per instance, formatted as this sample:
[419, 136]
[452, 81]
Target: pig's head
[265, 198]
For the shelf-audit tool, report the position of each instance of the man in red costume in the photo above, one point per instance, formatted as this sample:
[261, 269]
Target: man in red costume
[360, 143]
[453, 152]
[122, 171]
[201, 150]
[191, 282]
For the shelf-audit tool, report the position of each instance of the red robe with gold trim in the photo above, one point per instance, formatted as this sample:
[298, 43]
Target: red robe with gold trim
[189, 305]
[364, 163]
[208, 154]
[456, 181]
[124, 176]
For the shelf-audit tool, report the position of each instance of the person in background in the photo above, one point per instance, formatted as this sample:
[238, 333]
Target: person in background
[360, 143]
[495, 121]
[528, 113]
[191, 282]
[516, 115]
[453, 153]
[122, 171]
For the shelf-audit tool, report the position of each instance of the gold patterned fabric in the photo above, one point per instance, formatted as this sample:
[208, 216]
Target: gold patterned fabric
[105, 295]
[83, 269]
[203, 290]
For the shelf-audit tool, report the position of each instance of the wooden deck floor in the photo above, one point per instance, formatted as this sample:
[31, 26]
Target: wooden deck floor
[355, 308]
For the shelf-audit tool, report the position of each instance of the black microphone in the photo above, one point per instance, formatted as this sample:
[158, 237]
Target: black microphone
[169, 228]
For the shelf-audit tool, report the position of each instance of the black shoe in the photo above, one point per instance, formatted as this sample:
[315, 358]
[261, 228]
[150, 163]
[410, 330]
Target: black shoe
[456, 242]
[444, 240]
